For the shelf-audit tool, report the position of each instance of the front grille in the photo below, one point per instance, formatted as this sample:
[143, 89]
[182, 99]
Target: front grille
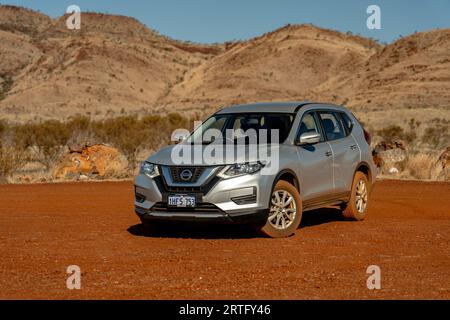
[185, 189]
[203, 189]
[192, 174]
[200, 207]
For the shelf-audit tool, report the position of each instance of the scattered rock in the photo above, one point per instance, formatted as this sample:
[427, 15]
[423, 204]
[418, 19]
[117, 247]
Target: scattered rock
[393, 170]
[84, 162]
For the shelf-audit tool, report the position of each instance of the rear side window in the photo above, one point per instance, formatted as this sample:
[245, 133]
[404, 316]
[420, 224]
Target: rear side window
[332, 125]
[347, 122]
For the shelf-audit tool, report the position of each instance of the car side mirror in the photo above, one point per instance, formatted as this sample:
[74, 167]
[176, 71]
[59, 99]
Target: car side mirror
[309, 138]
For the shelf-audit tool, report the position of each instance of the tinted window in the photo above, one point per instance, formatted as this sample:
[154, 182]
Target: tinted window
[332, 126]
[256, 122]
[245, 125]
[214, 123]
[347, 122]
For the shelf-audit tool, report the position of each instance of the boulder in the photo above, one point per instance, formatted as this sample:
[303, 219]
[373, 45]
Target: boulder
[390, 157]
[77, 148]
[97, 160]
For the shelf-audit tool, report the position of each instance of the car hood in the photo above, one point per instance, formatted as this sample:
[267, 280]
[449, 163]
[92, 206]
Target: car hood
[213, 154]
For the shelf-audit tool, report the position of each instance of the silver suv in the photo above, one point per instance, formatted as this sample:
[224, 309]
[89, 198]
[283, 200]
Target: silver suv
[310, 155]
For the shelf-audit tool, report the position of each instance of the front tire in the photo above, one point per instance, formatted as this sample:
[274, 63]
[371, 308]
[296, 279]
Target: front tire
[285, 211]
[359, 198]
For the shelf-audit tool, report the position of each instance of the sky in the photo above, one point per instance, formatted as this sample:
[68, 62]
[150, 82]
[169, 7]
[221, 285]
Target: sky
[210, 21]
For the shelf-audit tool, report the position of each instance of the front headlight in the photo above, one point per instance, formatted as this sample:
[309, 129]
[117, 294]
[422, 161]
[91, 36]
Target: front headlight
[236, 170]
[149, 169]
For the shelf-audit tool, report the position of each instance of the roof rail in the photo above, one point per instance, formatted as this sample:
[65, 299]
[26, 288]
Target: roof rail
[307, 102]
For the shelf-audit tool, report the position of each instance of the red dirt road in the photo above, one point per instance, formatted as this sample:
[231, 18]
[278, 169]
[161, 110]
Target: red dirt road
[45, 228]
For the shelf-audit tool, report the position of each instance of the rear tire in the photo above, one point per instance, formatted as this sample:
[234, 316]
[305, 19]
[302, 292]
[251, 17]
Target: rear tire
[356, 208]
[285, 211]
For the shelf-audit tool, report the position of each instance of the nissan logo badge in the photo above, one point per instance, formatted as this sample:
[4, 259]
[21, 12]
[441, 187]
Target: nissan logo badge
[186, 175]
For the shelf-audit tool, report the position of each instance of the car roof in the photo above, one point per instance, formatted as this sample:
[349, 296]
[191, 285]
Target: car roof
[278, 107]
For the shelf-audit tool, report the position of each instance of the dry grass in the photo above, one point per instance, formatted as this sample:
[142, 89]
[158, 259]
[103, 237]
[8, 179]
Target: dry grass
[116, 172]
[11, 160]
[418, 166]
[45, 142]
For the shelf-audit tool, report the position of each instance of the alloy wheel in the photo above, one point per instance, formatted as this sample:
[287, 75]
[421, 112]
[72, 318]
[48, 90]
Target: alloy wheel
[361, 196]
[283, 210]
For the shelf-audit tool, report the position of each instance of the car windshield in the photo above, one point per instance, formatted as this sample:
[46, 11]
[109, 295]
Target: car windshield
[243, 128]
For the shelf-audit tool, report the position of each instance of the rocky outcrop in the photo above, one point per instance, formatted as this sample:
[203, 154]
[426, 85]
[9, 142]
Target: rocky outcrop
[90, 161]
[390, 157]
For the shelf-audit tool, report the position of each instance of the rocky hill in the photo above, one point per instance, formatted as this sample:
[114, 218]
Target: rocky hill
[115, 65]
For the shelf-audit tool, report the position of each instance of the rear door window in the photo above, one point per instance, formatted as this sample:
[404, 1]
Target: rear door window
[331, 125]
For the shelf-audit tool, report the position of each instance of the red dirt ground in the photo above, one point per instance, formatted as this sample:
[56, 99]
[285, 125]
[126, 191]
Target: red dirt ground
[45, 228]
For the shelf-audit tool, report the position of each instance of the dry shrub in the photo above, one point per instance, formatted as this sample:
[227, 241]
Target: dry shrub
[45, 141]
[394, 132]
[126, 133]
[437, 136]
[11, 156]
[11, 160]
[48, 137]
[419, 166]
[115, 171]
[130, 134]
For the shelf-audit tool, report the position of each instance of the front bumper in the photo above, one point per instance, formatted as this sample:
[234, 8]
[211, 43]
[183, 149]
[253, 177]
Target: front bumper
[242, 199]
[250, 217]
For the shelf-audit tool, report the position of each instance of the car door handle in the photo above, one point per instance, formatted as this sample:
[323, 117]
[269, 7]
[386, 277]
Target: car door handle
[353, 147]
[328, 153]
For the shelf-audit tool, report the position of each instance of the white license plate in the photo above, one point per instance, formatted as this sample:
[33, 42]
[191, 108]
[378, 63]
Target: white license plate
[181, 201]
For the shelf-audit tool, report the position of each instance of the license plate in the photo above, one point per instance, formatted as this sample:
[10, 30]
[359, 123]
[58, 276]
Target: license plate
[181, 201]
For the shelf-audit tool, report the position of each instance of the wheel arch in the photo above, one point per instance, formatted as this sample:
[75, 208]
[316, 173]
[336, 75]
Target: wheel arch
[364, 167]
[289, 176]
